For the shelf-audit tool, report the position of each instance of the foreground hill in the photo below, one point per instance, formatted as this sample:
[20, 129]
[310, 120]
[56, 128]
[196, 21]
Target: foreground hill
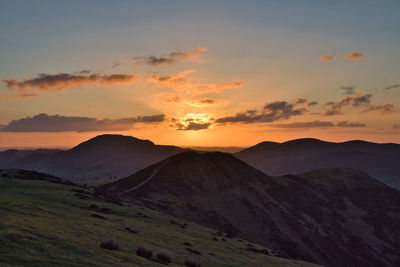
[334, 217]
[381, 161]
[101, 157]
[46, 221]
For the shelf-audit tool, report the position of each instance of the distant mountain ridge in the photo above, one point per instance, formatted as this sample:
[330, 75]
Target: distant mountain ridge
[381, 161]
[10, 155]
[333, 217]
[100, 157]
[118, 156]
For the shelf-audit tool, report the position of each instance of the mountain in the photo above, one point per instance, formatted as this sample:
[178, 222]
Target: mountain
[381, 161]
[7, 157]
[101, 157]
[333, 217]
[46, 221]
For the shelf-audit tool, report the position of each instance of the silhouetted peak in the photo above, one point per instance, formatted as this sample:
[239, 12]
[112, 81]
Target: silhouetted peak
[115, 140]
[304, 141]
[193, 171]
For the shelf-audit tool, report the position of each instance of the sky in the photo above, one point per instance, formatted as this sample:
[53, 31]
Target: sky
[199, 73]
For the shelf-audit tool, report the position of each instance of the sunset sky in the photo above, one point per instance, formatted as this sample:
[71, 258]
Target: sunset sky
[199, 73]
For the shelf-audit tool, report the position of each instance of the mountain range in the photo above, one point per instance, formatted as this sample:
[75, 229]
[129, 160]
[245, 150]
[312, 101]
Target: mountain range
[333, 217]
[306, 199]
[117, 156]
[101, 157]
[381, 161]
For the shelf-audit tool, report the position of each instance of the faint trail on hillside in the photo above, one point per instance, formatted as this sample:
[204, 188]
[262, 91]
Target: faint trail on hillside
[145, 181]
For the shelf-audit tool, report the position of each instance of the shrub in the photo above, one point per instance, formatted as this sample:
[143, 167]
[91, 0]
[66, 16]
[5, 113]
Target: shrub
[95, 215]
[144, 252]
[105, 210]
[93, 207]
[192, 264]
[164, 257]
[112, 244]
[193, 251]
[130, 230]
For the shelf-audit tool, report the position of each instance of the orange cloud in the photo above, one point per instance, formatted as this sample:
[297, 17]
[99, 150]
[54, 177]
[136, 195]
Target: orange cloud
[60, 81]
[328, 57]
[186, 91]
[218, 87]
[381, 109]
[190, 102]
[354, 56]
[175, 81]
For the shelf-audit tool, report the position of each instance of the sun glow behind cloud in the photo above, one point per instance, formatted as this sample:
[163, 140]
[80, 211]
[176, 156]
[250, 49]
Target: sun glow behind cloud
[192, 122]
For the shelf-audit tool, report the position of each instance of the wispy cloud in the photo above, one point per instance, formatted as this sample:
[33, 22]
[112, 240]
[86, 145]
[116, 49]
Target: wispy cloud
[195, 55]
[356, 101]
[18, 95]
[393, 86]
[183, 82]
[328, 57]
[182, 89]
[208, 101]
[381, 109]
[318, 124]
[350, 124]
[307, 124]
[272, 111]
[354, 56]
[192, 102]
[58, 123]
[305, 101]
[178, 81]
[218, 87]
[60, 81]
[348, 90]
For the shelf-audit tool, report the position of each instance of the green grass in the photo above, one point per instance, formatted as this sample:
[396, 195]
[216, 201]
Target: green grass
[46, 224]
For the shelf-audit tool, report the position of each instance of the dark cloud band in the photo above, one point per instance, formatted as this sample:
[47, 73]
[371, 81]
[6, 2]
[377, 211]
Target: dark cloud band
[57, 123]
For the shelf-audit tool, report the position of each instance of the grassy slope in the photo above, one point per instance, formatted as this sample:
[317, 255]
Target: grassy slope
[47, 224]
